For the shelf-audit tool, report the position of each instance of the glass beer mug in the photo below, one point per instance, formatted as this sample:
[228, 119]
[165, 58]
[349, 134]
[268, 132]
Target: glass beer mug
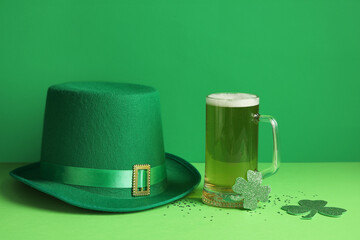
[232, 124]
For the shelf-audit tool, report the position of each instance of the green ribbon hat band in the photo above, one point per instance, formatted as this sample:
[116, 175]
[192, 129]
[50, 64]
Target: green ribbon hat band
[100, 177]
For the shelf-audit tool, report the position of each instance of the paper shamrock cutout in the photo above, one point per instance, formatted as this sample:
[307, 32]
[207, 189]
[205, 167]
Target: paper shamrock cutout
[315, 206]
[251, 190]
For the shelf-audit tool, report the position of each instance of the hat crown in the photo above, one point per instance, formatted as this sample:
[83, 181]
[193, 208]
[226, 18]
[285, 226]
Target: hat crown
[102, 125]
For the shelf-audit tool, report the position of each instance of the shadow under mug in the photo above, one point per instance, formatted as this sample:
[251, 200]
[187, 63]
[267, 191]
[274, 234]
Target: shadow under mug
[232, 126]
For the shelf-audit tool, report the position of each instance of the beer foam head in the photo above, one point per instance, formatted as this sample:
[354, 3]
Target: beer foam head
[232, 100]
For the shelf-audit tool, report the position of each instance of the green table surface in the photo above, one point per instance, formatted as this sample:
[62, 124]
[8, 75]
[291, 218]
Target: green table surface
[28, 214]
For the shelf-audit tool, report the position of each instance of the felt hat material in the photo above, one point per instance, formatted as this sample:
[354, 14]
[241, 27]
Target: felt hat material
[102, 149]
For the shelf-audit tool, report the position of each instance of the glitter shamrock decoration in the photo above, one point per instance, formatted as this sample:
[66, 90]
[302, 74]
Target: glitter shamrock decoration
[313, 207]
[251, 190]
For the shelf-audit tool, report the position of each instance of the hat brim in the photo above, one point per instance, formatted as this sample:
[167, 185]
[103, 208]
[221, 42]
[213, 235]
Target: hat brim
[182, 178]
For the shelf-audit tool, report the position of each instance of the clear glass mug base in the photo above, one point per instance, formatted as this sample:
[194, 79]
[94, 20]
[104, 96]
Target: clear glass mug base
[220, 199]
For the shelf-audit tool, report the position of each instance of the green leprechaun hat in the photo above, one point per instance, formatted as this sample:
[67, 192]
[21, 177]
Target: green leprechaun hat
[102, 149]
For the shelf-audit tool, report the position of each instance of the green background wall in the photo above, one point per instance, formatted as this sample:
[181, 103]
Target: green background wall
[302, 57]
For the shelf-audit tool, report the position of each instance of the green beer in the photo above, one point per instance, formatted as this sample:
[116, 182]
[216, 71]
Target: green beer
[231, 144]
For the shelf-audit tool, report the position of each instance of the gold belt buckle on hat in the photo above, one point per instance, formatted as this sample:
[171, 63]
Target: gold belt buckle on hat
[142, 190]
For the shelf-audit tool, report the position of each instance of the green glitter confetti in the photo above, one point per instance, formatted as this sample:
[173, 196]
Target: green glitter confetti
[313, 207]
[251, 190]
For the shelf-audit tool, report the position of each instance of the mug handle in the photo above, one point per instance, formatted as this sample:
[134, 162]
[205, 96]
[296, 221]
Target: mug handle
[276, 156]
